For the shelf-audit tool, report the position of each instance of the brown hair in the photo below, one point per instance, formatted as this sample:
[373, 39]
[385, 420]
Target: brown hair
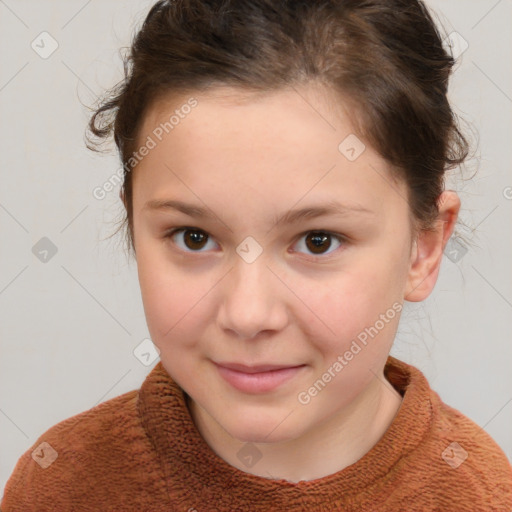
[385, 56]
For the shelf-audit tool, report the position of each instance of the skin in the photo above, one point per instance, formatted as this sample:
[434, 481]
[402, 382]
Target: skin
[249, 160]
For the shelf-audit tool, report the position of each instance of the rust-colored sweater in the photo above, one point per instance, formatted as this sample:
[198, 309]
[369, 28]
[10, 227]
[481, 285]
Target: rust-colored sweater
[142, 452]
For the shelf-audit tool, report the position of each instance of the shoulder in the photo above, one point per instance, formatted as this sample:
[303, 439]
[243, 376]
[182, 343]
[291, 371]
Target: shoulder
[86, 452]
[451, 463]
[469, 468]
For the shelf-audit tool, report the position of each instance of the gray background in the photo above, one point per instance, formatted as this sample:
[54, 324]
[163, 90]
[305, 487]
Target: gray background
[69, 326]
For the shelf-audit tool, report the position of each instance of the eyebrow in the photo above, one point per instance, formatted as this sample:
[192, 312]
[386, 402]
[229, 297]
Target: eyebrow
[290, 217]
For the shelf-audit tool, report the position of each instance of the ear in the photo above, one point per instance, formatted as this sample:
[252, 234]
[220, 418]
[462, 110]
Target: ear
[427, 252]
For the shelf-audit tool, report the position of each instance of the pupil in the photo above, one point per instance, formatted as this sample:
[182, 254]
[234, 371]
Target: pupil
[195, 237]
[318, 242]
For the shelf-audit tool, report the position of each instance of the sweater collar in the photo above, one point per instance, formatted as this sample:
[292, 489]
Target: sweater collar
[192, 468]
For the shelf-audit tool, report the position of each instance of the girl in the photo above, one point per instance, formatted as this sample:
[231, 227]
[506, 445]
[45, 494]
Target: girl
[284, 190]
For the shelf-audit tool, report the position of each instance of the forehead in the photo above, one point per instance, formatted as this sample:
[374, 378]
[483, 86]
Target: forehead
[312, 104]
[284, 145]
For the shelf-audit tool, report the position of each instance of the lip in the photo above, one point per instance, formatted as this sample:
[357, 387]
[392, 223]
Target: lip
[257, 379]
[256, 368]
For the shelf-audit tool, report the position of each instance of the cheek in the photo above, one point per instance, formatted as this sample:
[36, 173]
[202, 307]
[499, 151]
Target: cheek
[359, 302]
[170, 296]
[334, 308]
[180, 301]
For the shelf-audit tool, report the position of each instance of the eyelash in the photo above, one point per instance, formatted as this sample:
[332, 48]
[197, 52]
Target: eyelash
[340, 238]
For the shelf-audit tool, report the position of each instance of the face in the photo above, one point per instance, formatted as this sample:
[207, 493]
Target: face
[234, 286]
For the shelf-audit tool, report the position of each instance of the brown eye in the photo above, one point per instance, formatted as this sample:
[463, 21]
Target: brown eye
[316, 242]
[319, 242]
[194, 239]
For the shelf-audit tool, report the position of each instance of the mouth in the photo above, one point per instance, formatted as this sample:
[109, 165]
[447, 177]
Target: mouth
[257, 379]
[261, 368]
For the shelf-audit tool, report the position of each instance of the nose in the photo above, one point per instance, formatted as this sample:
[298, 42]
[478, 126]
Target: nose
[254, 299]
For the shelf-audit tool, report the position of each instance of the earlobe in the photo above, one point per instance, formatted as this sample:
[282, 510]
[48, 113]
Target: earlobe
[427, 252]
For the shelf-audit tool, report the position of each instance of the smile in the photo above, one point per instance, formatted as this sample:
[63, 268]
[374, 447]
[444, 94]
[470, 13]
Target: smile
[252, 381]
